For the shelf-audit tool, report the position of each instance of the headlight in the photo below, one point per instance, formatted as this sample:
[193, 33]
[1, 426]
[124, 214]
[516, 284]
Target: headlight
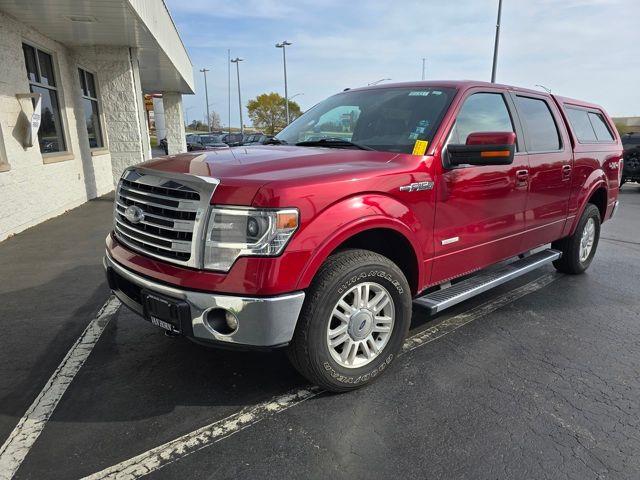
[236, 232]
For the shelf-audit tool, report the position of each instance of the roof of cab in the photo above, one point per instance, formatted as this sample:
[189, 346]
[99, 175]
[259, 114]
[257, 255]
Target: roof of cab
[459, 84]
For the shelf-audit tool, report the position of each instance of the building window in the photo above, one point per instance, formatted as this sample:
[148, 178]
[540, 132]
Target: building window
[42, 80]
[91, 111]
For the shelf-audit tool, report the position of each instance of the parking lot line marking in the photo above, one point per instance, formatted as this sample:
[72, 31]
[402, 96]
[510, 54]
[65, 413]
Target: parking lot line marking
[451, 324]
[174, 450]
[24, 435]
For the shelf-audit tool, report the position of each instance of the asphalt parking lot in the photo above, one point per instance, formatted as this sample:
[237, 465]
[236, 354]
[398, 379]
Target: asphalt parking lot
[536, 379]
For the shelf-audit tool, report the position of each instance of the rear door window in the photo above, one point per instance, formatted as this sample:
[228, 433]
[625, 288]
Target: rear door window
[602, 131]
[581, 125]
[540, 128]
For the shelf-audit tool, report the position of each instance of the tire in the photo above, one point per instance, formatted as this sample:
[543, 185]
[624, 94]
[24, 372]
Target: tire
[343, 276]
[573, 260]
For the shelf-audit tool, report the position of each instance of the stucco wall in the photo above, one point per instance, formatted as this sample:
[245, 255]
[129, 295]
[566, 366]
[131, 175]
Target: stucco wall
[33, 189]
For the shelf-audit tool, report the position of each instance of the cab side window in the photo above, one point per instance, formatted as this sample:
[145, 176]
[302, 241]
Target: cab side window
[481, 112]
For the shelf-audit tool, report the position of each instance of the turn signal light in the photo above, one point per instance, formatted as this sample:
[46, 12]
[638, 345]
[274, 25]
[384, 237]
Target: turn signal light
[287, 220]
[495, 153]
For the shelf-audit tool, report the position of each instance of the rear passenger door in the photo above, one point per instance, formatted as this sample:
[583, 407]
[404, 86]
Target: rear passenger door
[550, 168]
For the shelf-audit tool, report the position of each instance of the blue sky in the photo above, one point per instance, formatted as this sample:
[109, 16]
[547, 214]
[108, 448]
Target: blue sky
[587, 49]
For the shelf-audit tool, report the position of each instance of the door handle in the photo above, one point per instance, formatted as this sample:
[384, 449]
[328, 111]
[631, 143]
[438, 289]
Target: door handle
[566, 172]
[522, 177]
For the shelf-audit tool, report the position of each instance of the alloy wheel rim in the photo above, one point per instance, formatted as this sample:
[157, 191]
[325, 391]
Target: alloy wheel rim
[587, 239]
[360, 325]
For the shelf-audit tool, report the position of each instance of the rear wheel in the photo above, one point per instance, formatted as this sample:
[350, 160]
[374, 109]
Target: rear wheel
[579, 249]
[355, 317]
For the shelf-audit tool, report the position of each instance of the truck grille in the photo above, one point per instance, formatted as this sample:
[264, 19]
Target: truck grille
[170, 209]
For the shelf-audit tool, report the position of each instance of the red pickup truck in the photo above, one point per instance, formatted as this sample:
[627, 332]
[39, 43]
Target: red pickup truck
[374, 200]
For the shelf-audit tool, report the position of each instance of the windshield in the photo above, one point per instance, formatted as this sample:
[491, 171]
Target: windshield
[390, 119]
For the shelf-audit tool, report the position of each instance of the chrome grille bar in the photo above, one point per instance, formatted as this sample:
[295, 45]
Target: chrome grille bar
[167, 214]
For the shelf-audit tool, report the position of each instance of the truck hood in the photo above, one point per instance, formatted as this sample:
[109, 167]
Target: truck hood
[242, 171]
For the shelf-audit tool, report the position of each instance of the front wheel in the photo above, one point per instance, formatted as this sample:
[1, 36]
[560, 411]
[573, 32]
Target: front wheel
[579, 249]
[354, 320]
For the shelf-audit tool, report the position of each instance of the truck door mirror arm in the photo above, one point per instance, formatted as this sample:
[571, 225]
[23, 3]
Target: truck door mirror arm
[486, 148]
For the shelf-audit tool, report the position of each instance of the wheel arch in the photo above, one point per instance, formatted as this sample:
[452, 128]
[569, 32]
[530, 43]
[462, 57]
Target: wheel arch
[387, 236]
[593, 192]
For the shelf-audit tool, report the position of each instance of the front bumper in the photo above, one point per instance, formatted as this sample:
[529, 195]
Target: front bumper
[262, 321]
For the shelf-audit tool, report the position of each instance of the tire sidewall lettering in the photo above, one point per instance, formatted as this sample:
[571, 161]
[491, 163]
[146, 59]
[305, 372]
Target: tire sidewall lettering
[356, 379]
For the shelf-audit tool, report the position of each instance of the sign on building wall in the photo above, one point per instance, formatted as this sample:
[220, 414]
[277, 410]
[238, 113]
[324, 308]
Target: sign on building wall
[30, 132]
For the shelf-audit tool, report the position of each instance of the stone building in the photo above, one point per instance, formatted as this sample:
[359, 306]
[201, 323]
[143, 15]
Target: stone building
[89, 62]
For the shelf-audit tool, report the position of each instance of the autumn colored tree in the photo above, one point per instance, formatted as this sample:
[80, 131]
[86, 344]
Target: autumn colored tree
[268, 112]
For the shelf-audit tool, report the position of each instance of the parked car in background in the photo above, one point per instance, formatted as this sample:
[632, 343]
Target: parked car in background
[257, 139]
[196, 142]
[211, 141]
[374, 200]
[631, 162]
[233, 139]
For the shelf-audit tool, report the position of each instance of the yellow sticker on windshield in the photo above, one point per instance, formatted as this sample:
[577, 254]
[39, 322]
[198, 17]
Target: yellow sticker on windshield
[420, 147]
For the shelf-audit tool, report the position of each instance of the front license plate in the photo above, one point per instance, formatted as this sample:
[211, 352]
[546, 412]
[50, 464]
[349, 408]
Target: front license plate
[164, 312]
[162, 324]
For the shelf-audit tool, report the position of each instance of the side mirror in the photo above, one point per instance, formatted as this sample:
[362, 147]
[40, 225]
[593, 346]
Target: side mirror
[485, 148]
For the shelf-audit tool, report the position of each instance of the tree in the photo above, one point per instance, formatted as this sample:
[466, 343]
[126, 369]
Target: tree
[268, 112]
[214, 121]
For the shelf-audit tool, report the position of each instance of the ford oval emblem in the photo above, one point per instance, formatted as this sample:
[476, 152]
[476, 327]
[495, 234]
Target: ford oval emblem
[134, 214]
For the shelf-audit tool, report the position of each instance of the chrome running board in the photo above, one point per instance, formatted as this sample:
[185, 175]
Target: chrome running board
[485, 280]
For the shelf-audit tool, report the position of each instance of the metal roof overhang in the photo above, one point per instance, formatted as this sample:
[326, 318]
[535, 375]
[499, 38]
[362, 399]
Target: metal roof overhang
[144, 24]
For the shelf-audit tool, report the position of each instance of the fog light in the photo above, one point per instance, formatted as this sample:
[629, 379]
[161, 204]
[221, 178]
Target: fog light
[221, 321]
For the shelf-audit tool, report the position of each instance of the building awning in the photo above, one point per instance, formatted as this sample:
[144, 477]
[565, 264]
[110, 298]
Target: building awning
[144, 24]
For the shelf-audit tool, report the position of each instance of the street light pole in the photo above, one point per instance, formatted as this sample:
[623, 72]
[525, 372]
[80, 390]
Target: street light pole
[237, 61]
[283, 46]
[229, 88]
[206, 95]
[423, 66]
[186, 113]
[495, 46]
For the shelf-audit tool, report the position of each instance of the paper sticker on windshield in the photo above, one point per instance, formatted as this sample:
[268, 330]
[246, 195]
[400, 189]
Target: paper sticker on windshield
[419, 93]
[420, 147]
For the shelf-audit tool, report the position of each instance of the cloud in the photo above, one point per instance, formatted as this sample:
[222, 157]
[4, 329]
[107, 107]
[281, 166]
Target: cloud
[578, 48]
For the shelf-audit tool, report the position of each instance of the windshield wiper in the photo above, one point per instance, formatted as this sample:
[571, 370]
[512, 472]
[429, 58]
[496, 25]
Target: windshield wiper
[333, 142]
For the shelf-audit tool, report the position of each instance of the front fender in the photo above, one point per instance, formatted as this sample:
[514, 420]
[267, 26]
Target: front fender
[349, 217]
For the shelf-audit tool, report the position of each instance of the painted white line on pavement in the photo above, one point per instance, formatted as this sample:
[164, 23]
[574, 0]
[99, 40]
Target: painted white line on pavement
[176, 449]
[24, 435]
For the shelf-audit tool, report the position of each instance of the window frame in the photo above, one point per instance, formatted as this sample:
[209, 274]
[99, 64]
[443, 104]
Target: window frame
[562, 145]
[67, 152]
[96, 86]
[589, 110]
[515, 121]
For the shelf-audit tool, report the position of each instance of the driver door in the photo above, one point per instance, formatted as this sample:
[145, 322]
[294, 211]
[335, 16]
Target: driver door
[479, 217]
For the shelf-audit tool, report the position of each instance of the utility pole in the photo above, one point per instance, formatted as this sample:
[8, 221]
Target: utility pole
[423, 66]
[495, 46]
[206, 96]
[283, 46]
[237, 61]
[229, 87]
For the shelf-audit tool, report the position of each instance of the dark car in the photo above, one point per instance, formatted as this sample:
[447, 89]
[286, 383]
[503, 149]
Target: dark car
[233, 139]
[211, 141]
[257, 139]
[196, 142]
[631, 162]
